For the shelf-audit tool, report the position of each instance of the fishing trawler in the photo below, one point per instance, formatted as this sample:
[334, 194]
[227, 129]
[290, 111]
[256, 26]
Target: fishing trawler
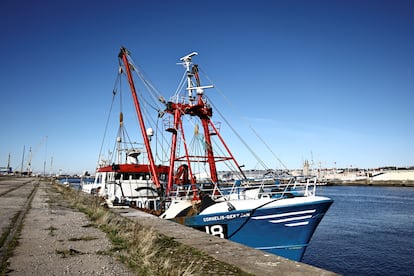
[266, 214]
[128, 176]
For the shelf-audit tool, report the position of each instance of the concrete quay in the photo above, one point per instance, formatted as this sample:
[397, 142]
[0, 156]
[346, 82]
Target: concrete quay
[40, 236]
[48, 238]
[250, 260]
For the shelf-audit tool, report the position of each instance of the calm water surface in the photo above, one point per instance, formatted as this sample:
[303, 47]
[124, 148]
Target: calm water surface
[367, 231]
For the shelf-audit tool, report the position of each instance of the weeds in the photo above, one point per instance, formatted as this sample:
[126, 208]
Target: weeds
[83, 238]
[64, 253]
[9, 248]
[52, 230]
[8, 229]
[144, 250]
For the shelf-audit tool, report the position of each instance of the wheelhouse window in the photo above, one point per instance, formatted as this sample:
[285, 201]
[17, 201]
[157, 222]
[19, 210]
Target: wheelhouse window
[136, 176]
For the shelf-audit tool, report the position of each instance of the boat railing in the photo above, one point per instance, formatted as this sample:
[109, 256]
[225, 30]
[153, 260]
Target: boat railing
[302, 186]
[251, 189]
[187, 191]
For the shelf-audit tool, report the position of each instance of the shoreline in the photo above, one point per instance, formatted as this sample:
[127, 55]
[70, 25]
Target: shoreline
[367, 182]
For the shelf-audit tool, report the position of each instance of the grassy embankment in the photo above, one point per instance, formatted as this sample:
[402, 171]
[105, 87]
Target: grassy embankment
[144, 250]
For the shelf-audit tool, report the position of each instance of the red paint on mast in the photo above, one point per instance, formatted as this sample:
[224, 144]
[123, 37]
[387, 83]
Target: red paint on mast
[174, 131]
[123, 55]
[194, 104]
[209, 147]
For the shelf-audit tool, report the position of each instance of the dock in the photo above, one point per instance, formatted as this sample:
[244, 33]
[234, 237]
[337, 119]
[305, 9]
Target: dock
[56, 239]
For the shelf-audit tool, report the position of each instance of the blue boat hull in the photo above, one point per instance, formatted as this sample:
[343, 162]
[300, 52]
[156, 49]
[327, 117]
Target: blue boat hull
[281, 230]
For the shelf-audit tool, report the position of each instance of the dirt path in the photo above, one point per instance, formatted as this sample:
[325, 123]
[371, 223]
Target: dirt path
[57, 240]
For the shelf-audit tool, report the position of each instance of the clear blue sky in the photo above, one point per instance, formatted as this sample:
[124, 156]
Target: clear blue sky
[331, 81]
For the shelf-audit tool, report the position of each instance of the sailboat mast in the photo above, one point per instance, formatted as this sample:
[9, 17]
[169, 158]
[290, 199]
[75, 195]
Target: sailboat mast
[124, 56]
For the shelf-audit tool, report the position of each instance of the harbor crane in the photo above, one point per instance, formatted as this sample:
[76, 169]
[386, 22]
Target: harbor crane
[31, 154]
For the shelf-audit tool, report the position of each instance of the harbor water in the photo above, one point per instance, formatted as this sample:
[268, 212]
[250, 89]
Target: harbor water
[367, 231]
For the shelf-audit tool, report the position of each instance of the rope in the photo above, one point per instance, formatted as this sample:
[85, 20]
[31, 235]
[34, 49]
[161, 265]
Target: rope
[109, 114]
[250, 216]
[238, 136]
[153, 91]
[248, 125]
[149, 103]
[180, 86]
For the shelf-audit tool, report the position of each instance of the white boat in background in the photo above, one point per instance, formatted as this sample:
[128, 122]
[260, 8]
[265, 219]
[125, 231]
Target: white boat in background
[124, 178]
[126, 182]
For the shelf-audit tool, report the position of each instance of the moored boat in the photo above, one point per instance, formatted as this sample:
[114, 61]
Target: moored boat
[279, 218]
[125, 176]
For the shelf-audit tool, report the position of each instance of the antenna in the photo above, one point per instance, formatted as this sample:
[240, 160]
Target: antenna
[189, 56]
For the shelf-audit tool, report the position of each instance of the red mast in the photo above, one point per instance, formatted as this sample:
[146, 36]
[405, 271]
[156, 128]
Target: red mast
[123, 54]
[194, 106]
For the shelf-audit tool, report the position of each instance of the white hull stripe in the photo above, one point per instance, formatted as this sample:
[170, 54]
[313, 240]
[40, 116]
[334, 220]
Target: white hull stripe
[290, 219]
[285, 214]
[297, 223]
